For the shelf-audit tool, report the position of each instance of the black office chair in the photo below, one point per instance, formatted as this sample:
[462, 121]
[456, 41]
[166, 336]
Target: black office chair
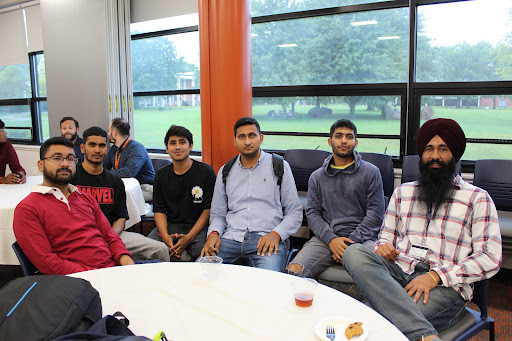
[159, 163]
[26, 265]
[473, 322]
[150, 216]
[385, 165]
[303, 162]
[411, 168]
[495, 177]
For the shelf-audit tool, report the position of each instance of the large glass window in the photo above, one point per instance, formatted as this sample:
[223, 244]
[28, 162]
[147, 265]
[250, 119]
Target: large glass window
[153, 115]
[18, 121]
[15, 81]
[363, 47]
[23, 105]
[268, 7]
[465, 41]
[482, 117]
[168, 62]
[358, 61]
[165, 73]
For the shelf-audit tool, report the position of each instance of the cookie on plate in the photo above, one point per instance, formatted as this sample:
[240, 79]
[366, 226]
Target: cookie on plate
[354, 329]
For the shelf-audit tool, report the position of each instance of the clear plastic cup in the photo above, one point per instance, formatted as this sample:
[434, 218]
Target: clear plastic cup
[304, 291]
[210, 267]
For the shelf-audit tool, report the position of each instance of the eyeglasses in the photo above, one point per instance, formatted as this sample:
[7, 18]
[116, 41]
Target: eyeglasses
[58, 159]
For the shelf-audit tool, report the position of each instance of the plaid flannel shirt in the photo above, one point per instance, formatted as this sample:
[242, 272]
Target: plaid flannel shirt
[463, 239]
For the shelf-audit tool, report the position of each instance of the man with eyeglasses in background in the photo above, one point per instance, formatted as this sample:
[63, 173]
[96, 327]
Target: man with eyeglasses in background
[60, 229]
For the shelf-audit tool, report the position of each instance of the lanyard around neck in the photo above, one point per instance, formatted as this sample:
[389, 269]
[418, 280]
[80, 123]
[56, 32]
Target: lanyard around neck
[119, 151]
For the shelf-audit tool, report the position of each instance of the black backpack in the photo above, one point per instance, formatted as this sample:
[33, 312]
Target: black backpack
[277, 164]
[46, 307]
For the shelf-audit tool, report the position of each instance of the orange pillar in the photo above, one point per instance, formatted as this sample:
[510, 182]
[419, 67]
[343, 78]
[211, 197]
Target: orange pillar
[226, 82]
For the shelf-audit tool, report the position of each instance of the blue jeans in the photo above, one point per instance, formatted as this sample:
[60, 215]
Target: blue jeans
[245, 252]
[382, 283]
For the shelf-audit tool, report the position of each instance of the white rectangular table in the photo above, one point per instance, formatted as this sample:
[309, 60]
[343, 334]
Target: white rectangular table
[244, 303]
[11, 195]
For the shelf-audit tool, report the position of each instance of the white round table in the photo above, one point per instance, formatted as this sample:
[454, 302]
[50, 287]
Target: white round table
[244, 303]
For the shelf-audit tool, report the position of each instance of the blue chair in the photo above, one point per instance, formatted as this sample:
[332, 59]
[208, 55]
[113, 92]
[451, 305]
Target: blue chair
[411, 168]
[303, 162]
[26, 265]
[150, 216]
[159, 163]
[495, 177]
[385, 165]
[473, 322]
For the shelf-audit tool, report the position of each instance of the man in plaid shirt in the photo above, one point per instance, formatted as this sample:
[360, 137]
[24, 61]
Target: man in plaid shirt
[439, 235]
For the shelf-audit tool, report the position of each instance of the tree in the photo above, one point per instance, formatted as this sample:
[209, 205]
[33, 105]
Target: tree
[15, 81]
[156, 64]
[329, 49]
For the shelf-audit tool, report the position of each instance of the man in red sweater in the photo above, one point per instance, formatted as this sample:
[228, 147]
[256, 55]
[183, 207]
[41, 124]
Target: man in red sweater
[60, 229]
[9, 157]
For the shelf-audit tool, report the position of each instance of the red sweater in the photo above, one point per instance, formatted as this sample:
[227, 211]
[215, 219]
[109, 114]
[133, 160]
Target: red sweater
[8, 156]
[62, 240]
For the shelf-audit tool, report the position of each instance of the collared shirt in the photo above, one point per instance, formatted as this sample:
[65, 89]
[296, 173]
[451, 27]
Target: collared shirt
[463, 239]
[252, 201]
[65, 235]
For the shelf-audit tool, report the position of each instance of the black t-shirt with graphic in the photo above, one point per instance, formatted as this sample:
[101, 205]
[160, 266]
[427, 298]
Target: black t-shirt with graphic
[183, 197]
[107, 189]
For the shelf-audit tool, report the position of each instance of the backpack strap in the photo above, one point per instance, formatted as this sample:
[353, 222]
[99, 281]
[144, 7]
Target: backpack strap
[227, 168]
[277, 164]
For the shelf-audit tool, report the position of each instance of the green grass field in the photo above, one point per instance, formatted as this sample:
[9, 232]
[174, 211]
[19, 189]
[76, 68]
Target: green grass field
[151, 126]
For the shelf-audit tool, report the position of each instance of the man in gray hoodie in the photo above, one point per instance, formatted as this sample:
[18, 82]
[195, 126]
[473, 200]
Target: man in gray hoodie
[345, 204]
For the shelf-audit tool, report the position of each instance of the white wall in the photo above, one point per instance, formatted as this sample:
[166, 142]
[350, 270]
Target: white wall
[28, 156]
[145, 10]
[74, 36]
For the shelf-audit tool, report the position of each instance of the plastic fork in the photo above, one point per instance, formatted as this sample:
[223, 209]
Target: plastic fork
[329, 331]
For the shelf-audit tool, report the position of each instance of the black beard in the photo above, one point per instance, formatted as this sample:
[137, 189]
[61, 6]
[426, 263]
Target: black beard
[73, 137]
[435, 185]
[90, 160]
[54, 179]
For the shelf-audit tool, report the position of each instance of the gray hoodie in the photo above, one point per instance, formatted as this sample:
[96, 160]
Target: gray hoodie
[345, 202]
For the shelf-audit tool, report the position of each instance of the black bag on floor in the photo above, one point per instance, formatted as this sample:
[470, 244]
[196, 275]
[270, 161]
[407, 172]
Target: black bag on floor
[46, 307]
[110, 328]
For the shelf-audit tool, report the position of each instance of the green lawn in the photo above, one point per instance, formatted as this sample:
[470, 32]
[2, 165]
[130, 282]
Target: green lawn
[151, 126]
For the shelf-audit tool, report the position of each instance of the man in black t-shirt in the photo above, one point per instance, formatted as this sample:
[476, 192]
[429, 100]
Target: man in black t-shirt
[108, 190]
[182, 195]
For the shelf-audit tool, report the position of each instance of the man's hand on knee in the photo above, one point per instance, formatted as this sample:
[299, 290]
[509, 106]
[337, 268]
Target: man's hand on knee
[268, 242]
[211, 247]
[421, 285]
[338, 246]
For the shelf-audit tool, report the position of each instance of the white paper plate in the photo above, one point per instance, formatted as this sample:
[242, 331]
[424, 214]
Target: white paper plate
[340, 324]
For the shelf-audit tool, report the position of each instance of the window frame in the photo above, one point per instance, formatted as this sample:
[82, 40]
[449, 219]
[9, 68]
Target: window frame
[33, 101]
[156, 34]
[410, 92]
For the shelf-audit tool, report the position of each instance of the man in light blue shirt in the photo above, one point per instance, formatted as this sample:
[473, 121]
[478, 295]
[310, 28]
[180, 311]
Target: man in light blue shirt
[251, 216]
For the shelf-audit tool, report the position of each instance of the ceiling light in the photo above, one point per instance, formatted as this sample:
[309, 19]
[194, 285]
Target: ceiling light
[363, 23]
[388, 37]
[287, 45]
